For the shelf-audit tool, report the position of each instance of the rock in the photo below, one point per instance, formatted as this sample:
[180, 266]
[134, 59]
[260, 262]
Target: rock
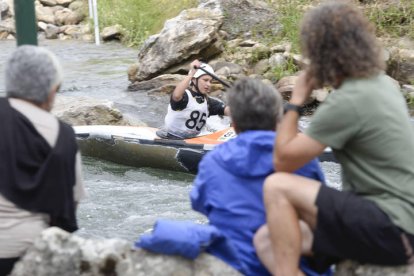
[52, 31]
[350, 268]
[112, 32]
[50, 3]
[41, 25]
[261, 67]
[73, 30]
[89, 111]
[285, 87]
[227, 69]
[64, 3]
[247, 43]
[57, 252]
[401, 65]
[4, 9]
[161, 84]
[77, 5]
[68, 17]
[3, 35]
[45, 14]
[182, 37]
[245, 16]
[234, 43]
[281, 48]
[320, 94]
[277, 61]
[8, 26]
[406, 88]
[75, 18]
[132, 72]
[10, 4]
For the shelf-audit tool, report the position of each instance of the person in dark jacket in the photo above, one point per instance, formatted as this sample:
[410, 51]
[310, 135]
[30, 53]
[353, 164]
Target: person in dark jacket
[40, 166]
[228, 188]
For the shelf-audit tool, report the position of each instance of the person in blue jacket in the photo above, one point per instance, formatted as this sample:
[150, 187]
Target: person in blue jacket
[228, 188]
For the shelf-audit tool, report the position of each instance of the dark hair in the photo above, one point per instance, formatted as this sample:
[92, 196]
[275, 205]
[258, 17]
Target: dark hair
[340, 43]
[254, 105]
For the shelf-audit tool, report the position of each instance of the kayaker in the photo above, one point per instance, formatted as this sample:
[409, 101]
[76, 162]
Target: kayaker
[366, 123]
[40, 165]
[190, 105]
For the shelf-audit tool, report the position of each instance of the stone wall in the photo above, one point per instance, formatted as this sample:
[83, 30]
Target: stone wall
[56, 19]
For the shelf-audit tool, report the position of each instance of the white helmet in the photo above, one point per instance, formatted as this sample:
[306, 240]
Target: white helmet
[200, 72]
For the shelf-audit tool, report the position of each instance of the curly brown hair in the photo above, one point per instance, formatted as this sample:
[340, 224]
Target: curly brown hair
[340, 43]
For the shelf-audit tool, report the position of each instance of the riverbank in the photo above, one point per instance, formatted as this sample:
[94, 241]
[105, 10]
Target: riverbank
[259, 39]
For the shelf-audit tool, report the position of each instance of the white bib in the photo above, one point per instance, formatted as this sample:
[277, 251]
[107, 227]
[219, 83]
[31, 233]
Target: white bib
[189, 121]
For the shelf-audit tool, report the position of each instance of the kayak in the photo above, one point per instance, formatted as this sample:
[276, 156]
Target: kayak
[141, 147]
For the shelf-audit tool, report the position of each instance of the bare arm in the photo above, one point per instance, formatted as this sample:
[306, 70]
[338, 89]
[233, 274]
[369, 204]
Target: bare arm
[294, 149]
[179, 90]
[227, 111]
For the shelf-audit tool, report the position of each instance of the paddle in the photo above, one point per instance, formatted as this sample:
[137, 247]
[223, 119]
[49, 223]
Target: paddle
[213, 76]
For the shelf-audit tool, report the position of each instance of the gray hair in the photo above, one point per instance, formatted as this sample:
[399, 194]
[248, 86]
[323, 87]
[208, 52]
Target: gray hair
[254, 105]
[31, 73]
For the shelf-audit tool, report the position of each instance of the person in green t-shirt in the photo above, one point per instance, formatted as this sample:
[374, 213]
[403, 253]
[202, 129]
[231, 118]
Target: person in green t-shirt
[366, 123]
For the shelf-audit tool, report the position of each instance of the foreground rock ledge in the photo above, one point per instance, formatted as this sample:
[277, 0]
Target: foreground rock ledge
[349, 268]
[57, 252]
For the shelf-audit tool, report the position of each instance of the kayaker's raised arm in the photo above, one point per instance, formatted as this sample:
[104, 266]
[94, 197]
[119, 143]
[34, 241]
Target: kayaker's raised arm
[179, 90]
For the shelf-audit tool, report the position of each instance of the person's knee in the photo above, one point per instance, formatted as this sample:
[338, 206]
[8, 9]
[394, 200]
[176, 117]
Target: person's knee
[261, 240]
[307, 238]
[276, 186]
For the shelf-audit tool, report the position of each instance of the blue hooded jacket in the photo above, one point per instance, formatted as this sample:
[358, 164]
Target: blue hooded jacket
[228, 189]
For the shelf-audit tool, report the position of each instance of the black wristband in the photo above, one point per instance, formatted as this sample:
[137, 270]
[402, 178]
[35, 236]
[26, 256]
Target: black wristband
[297, 108]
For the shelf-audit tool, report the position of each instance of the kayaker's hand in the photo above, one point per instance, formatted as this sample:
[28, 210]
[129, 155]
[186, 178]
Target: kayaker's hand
[195, 64]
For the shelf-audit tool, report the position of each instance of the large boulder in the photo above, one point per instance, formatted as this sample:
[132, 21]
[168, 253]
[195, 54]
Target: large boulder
[89, 111]
[182, 37]
[246, 17]
[57, 252]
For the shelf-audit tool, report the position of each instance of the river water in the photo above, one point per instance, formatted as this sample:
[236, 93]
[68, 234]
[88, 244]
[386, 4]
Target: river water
[122, 201]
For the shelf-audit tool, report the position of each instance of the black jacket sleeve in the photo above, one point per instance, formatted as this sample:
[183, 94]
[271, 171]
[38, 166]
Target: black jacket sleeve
[181, 104]
[215, 106]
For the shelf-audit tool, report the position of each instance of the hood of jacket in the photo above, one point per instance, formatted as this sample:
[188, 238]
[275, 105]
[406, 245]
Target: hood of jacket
[250, 154]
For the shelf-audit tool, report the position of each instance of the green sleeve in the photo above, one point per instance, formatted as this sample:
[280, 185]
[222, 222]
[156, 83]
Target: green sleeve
[335, 121]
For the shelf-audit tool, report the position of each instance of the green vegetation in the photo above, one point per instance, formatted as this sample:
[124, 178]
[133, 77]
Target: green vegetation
[394, 19]
[290, 68]
[290, 13]
[139, 18]
[391, 18]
